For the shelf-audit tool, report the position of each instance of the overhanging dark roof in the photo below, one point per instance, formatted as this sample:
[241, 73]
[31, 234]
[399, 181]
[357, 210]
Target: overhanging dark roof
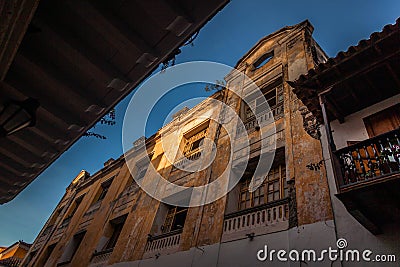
[79, 59]
[363, 75]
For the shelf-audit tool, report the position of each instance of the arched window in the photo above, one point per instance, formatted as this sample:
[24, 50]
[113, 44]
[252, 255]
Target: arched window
[264, 59]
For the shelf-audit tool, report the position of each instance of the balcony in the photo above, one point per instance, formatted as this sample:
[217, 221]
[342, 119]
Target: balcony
[162, 244]
[263, 219]
[370, 160]
[251, 124]
[367, 176]
[100, 258]
[188, 159]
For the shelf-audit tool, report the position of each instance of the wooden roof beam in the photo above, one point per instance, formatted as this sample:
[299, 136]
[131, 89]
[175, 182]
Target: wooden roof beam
[70, 116]
[334, 108]
[119, 34]
[59, 90]
[395, 77]
[344, 77]
[74, 51]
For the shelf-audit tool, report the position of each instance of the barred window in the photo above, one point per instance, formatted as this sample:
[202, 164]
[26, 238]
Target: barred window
[175, 219]
[274, 187]
[258, 104]
[194, 142]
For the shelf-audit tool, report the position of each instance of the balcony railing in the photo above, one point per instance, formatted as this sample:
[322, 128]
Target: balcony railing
[100, 258]
[163, 244]
[251, 124]
[369, 160]
[263, 219]
[188, 159]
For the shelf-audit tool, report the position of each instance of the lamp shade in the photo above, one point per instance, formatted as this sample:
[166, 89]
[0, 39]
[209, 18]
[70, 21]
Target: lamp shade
[17, 115]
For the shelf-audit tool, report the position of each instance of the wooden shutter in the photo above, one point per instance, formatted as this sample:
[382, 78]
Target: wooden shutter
[383, 121]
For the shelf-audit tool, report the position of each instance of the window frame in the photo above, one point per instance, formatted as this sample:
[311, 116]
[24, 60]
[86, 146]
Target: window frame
[251, 101]
[170, 219]
[189, 148]
[104, 187]
[248, 201]
[263, 59]
[117, 230]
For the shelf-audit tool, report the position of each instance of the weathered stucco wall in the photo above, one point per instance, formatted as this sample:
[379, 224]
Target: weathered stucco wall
[309, 210]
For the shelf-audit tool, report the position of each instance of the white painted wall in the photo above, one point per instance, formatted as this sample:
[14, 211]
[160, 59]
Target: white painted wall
[353, 129]
[243, 252]
[357, 236]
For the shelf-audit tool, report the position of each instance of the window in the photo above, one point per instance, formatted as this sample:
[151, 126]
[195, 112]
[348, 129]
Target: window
[30, 257]
[71, 249]
[142, 165]
[191, 148]
[76, 242]
[273, 95]
[130, 182]
[175, 219]
[117, 226]
[103, 190]
[273, 188]
[103, 193]
[75, 206]
[194, 142]
[48, 252]
[55, 216]
[383, 121]
[141, 171]
[264, 59]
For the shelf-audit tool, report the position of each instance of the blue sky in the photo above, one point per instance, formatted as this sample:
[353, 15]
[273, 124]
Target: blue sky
[231, 33]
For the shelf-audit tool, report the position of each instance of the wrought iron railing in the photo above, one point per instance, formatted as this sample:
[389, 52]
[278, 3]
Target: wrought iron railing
[369, 159]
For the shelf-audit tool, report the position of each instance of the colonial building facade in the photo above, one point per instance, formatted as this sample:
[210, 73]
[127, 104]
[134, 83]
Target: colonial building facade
[106, 219]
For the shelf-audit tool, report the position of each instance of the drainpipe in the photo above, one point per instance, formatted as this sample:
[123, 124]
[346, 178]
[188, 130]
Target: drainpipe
[331, 148]
[322, 102]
